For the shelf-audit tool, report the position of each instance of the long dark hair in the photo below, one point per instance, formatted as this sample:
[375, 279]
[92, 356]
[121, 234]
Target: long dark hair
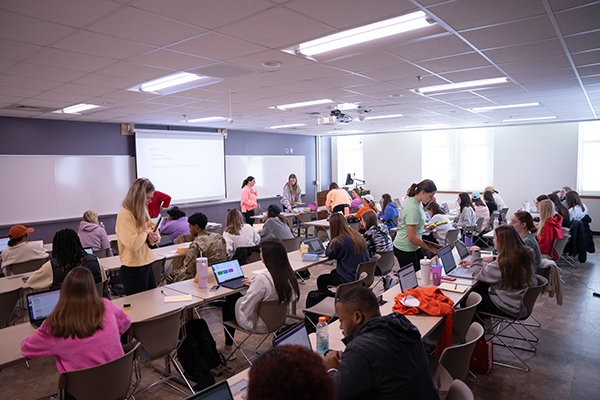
[514, 258]
[488, 195]
[276, 260]
[560, 208]
[339, 227]
[573, 200]
[273, 211]
[248, 179]
[387, 199]
[465, 201]
[435, 208]
[67, 249]
[426, 185]
[525, 217]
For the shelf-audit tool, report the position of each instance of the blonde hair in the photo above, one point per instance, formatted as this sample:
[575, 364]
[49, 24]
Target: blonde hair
[135, 201]
[234, 221]
[293, 188]
[547, 211]
[91, 217]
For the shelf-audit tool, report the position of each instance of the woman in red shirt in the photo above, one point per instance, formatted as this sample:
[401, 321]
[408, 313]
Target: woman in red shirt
[550, 229]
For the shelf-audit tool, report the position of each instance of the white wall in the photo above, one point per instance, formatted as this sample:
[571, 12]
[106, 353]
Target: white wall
[529, 160]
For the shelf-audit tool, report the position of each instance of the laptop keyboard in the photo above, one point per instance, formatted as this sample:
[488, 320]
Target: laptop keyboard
[234, 284]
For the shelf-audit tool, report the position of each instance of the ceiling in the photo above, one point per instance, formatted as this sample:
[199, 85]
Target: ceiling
[57, 53]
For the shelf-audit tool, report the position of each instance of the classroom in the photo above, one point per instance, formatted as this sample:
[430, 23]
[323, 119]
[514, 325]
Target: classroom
[526, 123]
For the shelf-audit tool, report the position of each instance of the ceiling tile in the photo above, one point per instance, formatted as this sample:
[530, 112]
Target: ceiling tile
[366, 61]
[101, 45]
[586, 58]
[66, 97]
[108, 81]
[455, 63]
[558, 5]
[511, 33]
[82, 89]
[538, 65]
[440, 46]
[313, 71]
[524, 52]
[218, 47]
[50, 73]
[578, 20]
[394, 72]
[171, 100]
[583, 42]
[6, 64]
[347, 80]
[132, 70]
[473, 74]
[267, 79]
[18, 91]
[170, 59]
[17, 51]
[255, 60]
[590, 70]
[27, 83]
[69, 60]
[285, 28]
[25, 29]
[561, 74]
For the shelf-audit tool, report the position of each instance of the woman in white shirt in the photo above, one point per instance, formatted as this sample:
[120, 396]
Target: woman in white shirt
[237, 233]
[277, 283]
[577, 210]
[439, 217]
[466, 217]
[20, 249]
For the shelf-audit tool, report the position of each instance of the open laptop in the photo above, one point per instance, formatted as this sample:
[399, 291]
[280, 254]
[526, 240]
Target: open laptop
[40, 305]
[218, 391]
[4, 243]
[445, 208]
[229, 274]
[89, 250]
[450, 267]
[315, 246]
[463, 252]
[407, 277]
[297, 334]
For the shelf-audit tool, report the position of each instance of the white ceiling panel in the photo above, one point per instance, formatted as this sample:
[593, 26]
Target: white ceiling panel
[101, 45]
[170, 59]
[456, 63]
[583, 42]
[539, 65]
[21, 92]
[82, 89]
[17, 51]
[395, 72]
[127, 69]
[436, 47]
[529, 30]
[66, 97]
[69, 60]
[586, 58]
[27, 70]
[27, 83]
[524, 52]
[590, 70]
[351, 81]
[29, 30]
[217, 47]
[107, 81]
[6, 64]
[366, 61]
[577, 20]
[558, 5]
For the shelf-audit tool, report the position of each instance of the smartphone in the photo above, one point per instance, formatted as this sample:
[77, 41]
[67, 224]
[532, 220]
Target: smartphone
[215, 288]
[448, 278]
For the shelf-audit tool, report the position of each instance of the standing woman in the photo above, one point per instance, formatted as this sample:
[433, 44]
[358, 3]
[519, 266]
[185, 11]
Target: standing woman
[550, 229]
[388, 211]
[337, 199]
[134, 234]
[408, 244]
[523, 224]
[92, 234]
[248, 202]
[291, 193]
[466, 216]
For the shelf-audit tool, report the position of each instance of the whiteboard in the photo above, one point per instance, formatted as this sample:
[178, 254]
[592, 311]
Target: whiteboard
[47, 188]
[271, 174]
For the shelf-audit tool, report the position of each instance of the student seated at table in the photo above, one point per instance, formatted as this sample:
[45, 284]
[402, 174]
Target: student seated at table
[83, 331]
[523, 224]
[237, 233]
[337, 199]
[437, 215]
[577, 210]
[384, 356]
[276, 225]
[67, 253]
[348, 248]
[356, 202]
[20, 249]
[549, 228]
[560, 209]
[368, 203]
[502, 282]
[488, 197]
[466, 215]
[497, 198]
[376, 235]
[211, 245]
[174, 224]
[92, 234]
[481, 211]
[277, 283]
[389, 211]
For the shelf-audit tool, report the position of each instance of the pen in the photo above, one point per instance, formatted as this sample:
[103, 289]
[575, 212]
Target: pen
[455, 286]
[163, 292]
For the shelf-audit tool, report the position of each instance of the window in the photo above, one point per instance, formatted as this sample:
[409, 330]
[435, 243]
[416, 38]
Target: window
[349, 160]
[458, 159]
[588, 178]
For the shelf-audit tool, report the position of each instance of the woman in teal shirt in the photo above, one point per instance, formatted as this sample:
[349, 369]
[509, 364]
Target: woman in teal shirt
[408, 242]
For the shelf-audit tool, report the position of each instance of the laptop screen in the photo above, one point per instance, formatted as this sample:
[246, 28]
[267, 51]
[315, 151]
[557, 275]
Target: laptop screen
[89, 250]
[218, 391]
[314, 245]
[227, 271]
[462, 249]
[42, 304]
[4, 243]
[447, 259]
[297, 335]
[407, 277]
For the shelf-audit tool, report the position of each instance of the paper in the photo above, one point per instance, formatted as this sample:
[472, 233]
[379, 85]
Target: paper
[410, 301]
[175, 299]
[259, 271]
[452, 287]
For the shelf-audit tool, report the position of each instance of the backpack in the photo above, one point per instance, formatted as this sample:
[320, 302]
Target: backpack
[198, 354]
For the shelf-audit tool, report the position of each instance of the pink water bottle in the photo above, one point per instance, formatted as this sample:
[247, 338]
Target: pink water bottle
[436, 272]
[202, 271]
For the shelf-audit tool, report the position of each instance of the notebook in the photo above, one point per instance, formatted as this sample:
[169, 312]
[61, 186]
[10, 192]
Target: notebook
[229, 274]
[40, 305]
[315, 246]
[449, 264]
[297, 334]
[407, 277]
[218, 391]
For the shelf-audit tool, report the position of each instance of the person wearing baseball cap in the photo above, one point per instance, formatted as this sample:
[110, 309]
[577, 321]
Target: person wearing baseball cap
[20, 249]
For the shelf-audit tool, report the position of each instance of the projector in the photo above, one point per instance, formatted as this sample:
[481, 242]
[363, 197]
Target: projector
[336, 117]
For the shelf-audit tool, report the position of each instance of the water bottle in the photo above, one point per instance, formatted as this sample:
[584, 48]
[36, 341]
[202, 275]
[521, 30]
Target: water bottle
[322, 336]
[469, 239]
[425, 271]
[202, 271]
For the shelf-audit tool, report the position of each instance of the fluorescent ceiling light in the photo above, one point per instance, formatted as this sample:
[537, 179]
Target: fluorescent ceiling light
[385, 116]
[303, 104]
[433, 126]
[363, 34]
[78, 108]
[285, 126]
[479, 109]
[177, 79]
[527, 119]
[461, 85]
[348, 131]
[206, 119]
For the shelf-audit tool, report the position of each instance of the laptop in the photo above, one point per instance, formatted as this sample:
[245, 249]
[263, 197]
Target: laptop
[229, 274]
[297, 334]
[462, 249]
[407, 277]
[4, 243]
[449, 264]
[315, 246]
[445, 208]
[218, 391]
[40, 305]
[89, 250]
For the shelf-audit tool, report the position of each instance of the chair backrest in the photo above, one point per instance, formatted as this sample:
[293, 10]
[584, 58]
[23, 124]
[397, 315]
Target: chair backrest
[369, 268]
[344, 287]
[158, 267]
[109, 381]
[463, 317]
[354, 225]
[559, 245]
[479, 224]
[456, 359]
[8, 302]
[27, 266]
[532, 293]
[451, 236]
[273, 313]
[101, 253]
[159, 335]
[214, 228]
[102, 288]
[386, 261]
[290, 219]
[217, 261]
[304, 217]
[292, 244]
[459, 391]
[253, 257]
[395, 219]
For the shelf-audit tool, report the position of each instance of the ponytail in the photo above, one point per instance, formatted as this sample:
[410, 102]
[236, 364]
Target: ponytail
[426, 185]
[247, 180]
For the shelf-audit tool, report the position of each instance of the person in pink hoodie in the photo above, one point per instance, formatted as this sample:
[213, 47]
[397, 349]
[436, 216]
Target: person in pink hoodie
[550, 229]
[92, 234]
[83, 331]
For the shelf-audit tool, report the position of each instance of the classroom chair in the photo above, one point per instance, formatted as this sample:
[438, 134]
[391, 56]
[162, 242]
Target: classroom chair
[102, 253]
[354, 225]
[102, 289]
[367, 267]
[559, 247]
[8, 302]
[459, 391]
[26, 266]
[112, 380]
[301, 219]
[292, 244]
[456, 359]
[451, 237]
[158, 268]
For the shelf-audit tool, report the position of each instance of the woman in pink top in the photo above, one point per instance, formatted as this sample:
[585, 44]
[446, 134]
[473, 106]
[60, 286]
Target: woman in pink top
[249, 199]
[83, 331]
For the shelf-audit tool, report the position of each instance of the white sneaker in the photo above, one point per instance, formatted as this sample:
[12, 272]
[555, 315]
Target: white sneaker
[228, 354]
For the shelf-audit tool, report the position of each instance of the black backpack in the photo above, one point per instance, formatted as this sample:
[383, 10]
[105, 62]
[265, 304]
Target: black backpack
[198, 354]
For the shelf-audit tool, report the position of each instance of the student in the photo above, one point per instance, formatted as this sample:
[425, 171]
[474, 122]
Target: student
[277, 283]
[561, 209]
[20, 249]
[292, 193]
[83, 331]
[290, 372]
[481, 211]
[550, 229]
[376, 235]
[438, 215]
[539, 199]
[356, 202]
[348, 248]
[134, 234]
[466, 216]
[488, 196]
[502, 282]
[175, 224]
[237, 234]
[92, 234]
[206, 244]
[248, 202]
[523, 224]
[389, 211]
[384, 357]
[276, 225]
[408, 244]
[67, 253]
[337, 199]
[497, 199]
[159, 202]
[577, 210]
[368, 204]
[562, 194]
